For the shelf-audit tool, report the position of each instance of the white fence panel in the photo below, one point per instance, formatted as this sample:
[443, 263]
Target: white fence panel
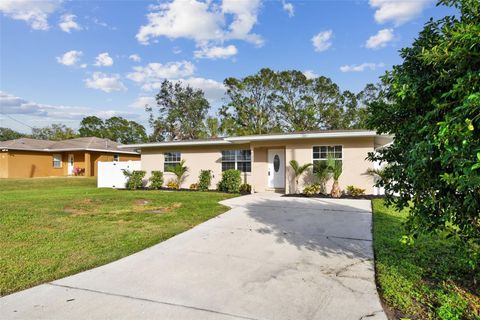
[110, 174]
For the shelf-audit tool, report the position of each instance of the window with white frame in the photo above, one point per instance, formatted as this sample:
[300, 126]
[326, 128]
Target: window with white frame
[116, 157]
[237, 159]
[171, 160]
[322, 153]
[57, 160]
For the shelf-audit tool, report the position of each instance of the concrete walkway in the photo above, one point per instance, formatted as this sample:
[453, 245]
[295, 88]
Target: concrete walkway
[270, 257]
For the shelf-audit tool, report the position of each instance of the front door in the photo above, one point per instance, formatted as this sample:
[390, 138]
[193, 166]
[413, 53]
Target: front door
[276, 168]
[70, 164]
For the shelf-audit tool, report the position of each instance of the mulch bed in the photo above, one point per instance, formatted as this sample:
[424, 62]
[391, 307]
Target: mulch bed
[327, 196]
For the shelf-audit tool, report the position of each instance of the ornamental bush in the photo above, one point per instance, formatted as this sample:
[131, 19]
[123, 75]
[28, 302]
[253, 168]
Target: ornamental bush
[230, 182]
[245, 188]
[312, 189]
[173, 184]
[431, 104]
[156, 180]
[134, 179]
[355, 191]
[204, 180]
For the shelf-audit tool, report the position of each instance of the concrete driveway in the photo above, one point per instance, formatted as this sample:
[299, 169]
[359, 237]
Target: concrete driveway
[270, 257]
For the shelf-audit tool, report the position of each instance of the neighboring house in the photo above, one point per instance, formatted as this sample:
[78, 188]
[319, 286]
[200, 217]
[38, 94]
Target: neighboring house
[27, 158]
[264, 159]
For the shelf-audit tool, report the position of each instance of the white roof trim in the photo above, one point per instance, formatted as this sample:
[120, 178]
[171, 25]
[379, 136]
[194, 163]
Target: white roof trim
[303, 136]
[175, 144]
[246, 139]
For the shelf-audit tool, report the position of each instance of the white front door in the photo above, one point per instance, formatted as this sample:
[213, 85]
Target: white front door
[70, 164]
[276, 168]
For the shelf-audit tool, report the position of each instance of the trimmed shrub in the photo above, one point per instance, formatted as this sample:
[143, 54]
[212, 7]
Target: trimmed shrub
[230, 182]
[355, 191]
[245, 188]
[134, 179]
[204, 180]
[172, 184]
[156, 180]
[194, 186]
[312, 189]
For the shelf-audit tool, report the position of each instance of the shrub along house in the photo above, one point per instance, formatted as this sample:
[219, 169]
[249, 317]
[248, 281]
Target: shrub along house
[27, 158]
[264, 159]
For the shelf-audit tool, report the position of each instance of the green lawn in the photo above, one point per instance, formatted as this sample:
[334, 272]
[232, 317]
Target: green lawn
[431, 279]
[54, 227]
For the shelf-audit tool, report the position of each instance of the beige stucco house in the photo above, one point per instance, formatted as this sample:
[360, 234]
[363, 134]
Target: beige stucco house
[264, 159]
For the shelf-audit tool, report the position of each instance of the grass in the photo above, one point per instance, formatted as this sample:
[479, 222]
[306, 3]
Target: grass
[431, 279]
[54, 227]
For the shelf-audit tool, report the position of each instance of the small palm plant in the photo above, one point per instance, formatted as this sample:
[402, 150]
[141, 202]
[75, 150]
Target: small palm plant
[179, 171]
[335, 167]
[298, 170]
[322, 173]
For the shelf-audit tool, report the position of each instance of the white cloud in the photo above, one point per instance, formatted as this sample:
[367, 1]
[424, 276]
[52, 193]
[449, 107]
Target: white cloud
[380, 39]
[214, 90]
[105, 82]
[50, 113]
[70, 58]
[289, 8]
[67, 23]
[322, 40]
[309, 74]
[143, 101]
[361, 67]
[135, 58]
[33, 12]
[398, 11]
[156, 72]
[216, 52]
[103, 60]
[203, 22]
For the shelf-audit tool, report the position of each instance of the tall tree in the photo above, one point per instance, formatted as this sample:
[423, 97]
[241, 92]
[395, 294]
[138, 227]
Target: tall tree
[432, 107]
[56, 131]
[124, 131]
[92, 126]
[213, 128]
[251, 104]
[9, 134]
[295, 108]
[180, 112]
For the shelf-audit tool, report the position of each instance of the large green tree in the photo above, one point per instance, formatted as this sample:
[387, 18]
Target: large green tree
[115, 128]
[431, 104]
[251, 104]
[92, 126]
[56, 131]
[180, 112]
[287, 101]
[9, 134]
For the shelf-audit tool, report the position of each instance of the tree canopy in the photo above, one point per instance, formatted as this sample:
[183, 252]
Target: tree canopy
[56, 131]
[179, 114]
[431, 103]
[287, 101]
[9, 134]
[114, 128]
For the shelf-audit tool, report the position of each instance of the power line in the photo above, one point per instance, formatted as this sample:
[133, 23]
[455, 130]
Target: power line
[4, 114]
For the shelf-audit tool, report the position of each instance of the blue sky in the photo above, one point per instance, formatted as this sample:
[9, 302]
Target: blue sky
[63, 60]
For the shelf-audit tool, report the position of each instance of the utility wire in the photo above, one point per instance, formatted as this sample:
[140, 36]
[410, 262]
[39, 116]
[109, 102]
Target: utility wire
[4, 114]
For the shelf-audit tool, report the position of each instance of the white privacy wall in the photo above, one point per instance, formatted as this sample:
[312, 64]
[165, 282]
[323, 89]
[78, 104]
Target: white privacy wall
[110, 174]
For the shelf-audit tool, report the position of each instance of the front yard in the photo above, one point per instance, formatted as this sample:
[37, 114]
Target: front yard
[430, 280]
[54, 227]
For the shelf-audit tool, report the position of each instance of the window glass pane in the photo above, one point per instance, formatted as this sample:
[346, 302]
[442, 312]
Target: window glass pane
[243, 155]
[244, 166]
[228, 155]
[57, 160]
[172, 157]
[228, 165]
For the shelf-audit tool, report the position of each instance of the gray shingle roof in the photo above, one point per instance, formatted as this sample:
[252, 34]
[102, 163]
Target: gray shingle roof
[87, 143]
